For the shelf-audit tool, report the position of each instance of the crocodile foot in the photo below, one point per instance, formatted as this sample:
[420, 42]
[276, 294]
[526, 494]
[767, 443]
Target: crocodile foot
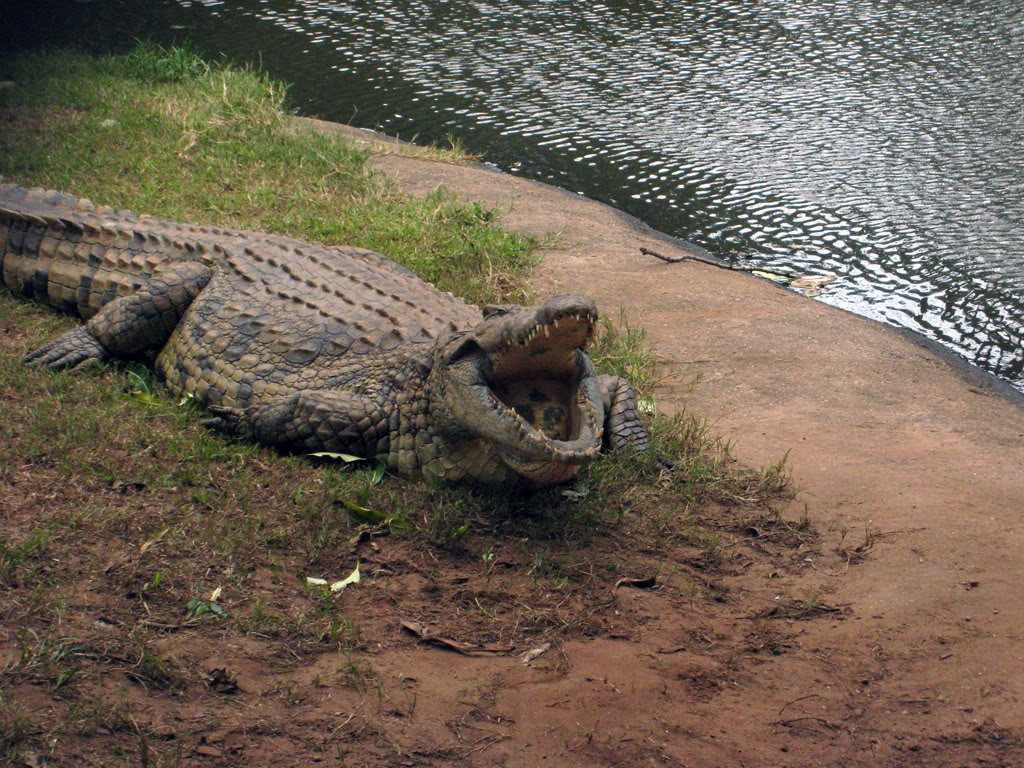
[228, 421]
[74, 350]
[624, 427]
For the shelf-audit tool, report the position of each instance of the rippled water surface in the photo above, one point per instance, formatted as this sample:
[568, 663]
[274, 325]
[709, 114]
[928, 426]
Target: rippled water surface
[881, 142]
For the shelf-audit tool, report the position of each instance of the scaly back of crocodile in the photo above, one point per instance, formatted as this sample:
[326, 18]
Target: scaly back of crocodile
[310, 347]
[76, 257]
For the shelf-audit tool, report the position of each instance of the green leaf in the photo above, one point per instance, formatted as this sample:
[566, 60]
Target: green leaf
[139, 383]
[379, 470]
[364, 515]
[348, 457]
[398, 524]
[197, 608]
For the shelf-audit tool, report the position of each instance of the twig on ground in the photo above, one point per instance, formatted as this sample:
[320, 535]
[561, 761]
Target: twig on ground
[796, 722]
[348, 720]
[846, 567]
[713, 263]
[794, 701]
[879, 534]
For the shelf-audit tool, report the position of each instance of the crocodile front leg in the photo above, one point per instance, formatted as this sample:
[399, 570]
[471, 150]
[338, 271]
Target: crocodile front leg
[314, 420]
[128, 325]
[622, 427]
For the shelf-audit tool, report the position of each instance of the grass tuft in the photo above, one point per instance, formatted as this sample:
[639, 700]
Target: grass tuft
[622, 350]
[154, 63]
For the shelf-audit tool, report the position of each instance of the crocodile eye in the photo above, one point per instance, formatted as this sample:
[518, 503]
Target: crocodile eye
[495, 310]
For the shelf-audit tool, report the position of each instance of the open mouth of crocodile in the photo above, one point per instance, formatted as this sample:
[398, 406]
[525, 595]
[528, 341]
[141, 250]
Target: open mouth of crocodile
[543, 385]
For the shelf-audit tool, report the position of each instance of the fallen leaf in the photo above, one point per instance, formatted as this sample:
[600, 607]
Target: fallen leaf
[533, 654]
[348, 457]
[141, 383]
[770, 276]
[337, 586]
[352, 578]
[364, 515]
[637, 583]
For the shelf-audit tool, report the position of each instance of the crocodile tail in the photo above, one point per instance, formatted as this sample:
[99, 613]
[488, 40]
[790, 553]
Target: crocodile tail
[65, 251]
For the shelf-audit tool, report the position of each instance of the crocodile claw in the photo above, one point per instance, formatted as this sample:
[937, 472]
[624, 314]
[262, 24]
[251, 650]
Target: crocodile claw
[74, 350]
[228, 421]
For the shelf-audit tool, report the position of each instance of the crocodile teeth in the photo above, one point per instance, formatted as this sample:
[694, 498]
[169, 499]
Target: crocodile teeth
[547, 332]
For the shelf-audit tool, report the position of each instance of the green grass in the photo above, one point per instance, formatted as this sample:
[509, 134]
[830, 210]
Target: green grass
[163, 132]
[123, 515]
[622, 350]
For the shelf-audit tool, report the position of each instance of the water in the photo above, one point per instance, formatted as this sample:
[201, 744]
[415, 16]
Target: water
[880, 142]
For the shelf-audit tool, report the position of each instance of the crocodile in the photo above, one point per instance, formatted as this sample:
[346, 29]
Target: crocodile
[308, 347]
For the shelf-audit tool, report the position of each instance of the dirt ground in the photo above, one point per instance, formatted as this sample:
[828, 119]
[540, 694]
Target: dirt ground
[891, 634]
[889, 445]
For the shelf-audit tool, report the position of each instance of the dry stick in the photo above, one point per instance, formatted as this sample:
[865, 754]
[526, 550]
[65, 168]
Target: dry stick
[829, 573]
[711, 262]
[820, 720]
[794, 701]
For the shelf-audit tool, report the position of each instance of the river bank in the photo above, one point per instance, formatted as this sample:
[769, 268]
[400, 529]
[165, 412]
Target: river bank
[911, 467]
